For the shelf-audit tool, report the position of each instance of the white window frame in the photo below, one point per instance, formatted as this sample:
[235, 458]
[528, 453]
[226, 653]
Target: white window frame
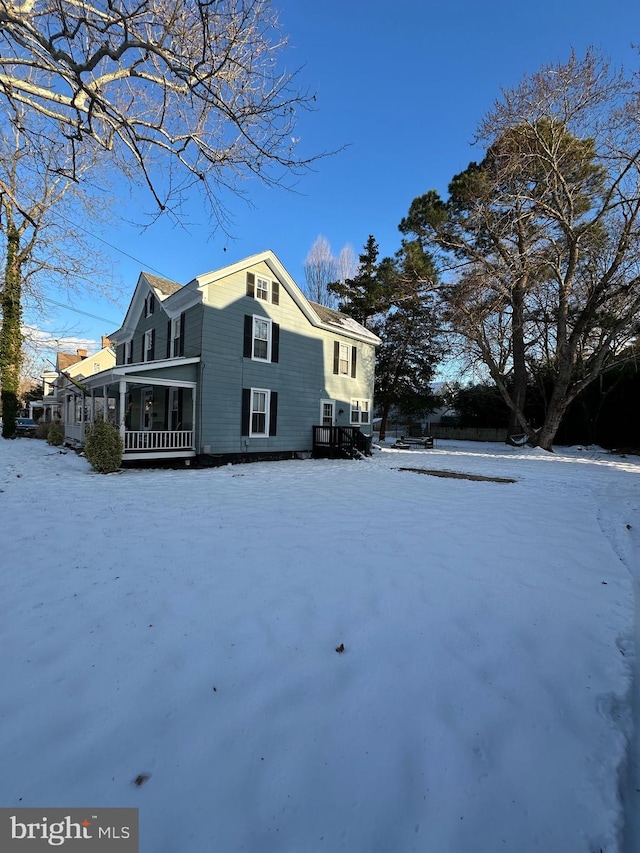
[263, 289]
[128, 351]
[148, 302]
[175, 336]
[358, 408]
[148, 343]
[267, 411]
[268, 322]
[346, 360]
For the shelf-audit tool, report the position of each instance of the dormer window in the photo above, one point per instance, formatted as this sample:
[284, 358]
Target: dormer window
[149, 305]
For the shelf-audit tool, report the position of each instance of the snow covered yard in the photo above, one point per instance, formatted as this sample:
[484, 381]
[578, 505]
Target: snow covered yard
[179, 628]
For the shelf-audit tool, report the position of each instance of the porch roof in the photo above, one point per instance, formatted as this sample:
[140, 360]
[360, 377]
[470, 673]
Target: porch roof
[130, 372]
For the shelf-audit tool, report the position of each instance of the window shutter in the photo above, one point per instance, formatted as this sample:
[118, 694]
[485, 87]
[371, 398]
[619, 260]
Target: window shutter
[273, 413]
[246, 403]
[275, 293]
[248, 336]
[251, 285]
[169, 339]
[275, 342]
[152, 353]
[336, 357]
[182, 334]
[354, 361]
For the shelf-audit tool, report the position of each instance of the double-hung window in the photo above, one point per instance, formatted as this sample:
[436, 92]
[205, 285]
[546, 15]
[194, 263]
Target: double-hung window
[261, 339]
[148, 349]
[345, 359]
[149, 305]
[128, 352]
[177, 336]
[360, 411]
[259, 412]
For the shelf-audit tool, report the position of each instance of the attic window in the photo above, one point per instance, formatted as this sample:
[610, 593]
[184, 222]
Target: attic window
[263, 288]
[149, 305]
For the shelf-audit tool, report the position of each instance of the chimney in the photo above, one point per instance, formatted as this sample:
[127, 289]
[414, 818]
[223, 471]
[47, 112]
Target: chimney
[105, 342]
[81, 353]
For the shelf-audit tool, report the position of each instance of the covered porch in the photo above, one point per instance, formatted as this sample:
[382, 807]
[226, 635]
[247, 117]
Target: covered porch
[153, 407]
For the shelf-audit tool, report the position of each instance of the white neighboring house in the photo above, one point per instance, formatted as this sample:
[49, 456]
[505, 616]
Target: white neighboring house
[64, 397]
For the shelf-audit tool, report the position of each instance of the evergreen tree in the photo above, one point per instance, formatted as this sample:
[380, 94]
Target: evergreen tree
[366, 294]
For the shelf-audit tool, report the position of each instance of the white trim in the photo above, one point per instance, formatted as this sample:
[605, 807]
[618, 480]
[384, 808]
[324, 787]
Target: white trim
[267, 412]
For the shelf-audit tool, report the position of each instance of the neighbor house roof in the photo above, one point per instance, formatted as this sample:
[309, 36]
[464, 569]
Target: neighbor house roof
[66, 359]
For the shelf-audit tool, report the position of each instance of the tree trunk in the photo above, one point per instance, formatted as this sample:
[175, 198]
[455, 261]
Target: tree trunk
[11, 334]
[519, 393]
[386, 406]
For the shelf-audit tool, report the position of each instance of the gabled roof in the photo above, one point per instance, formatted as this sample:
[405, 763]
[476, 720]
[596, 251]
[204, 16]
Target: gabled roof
[162, 288]
[176, 298]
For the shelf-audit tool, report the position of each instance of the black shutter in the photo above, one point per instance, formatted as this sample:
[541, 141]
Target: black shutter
[275, 293]
[273, 413]
[336, 357]
[169, 339]
[275, 342]
[251, 284]
[181, 351]
[354, 361]
[248, 336]
[152, 353]
[246, 410]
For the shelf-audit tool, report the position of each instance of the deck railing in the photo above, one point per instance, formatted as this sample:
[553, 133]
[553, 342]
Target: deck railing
[339, 441]
[180, 439]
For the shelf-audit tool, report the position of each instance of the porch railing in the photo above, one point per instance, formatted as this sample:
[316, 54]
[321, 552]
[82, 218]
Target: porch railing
[340, 441]
[180, 439]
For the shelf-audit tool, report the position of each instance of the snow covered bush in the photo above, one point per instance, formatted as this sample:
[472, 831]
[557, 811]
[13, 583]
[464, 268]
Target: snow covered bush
[55, 434]
[103, 447]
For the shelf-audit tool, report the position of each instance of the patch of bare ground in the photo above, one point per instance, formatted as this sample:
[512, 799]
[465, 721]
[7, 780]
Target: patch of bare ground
[457, 475]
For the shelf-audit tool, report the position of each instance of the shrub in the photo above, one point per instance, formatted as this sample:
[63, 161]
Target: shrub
[42, 429]
[55, 434]
[103, 447]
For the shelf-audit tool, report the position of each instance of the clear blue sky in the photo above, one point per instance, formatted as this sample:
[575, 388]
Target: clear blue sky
[404, 86]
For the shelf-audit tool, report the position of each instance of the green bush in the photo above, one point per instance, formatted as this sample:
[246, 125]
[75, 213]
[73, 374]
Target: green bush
[103, 447]
[55, 434]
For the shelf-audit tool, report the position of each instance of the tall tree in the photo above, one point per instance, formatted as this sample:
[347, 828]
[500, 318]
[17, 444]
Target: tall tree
[39, 202]
[178, 95]
[409, 331]
[320, 270]
[545, 236]
[366, 294]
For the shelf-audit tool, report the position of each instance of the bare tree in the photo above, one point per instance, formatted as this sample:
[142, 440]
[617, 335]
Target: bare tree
[179, 94]
[545, 235]
[320, 269]
[346, 263]
[40, 243]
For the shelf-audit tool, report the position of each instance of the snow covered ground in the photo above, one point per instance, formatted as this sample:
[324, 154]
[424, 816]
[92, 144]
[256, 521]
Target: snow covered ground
[180, 628]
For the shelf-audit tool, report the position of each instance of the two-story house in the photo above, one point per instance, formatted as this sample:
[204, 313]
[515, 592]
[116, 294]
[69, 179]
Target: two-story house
[236, 364]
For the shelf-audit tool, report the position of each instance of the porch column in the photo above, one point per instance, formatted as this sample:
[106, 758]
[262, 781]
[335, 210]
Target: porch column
[105, 403]
[193, 416]
[122, 386]
[92, 408]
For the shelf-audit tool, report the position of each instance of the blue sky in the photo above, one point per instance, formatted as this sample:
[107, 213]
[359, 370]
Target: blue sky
[403, 86]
